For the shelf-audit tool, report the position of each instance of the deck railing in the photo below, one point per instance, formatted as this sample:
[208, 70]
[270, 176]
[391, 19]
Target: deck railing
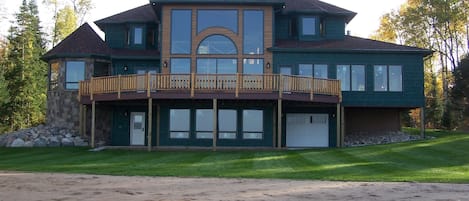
[209, 83]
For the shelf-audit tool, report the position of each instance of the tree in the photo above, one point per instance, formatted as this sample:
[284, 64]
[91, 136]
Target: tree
[24, 72]
[460, 90]
[68, 14]
[440, 25]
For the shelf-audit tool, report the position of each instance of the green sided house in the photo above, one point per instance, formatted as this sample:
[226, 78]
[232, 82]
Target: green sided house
[237, 73]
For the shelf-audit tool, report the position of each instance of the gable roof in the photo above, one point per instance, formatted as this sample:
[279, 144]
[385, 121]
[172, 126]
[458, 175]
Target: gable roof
[82, 42]
[142, 14]
[316, 6]
[349, 44]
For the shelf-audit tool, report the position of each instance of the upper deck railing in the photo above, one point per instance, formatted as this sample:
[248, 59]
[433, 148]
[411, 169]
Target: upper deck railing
[209, 83]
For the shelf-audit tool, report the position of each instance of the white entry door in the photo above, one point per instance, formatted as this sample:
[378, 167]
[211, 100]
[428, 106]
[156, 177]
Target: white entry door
[137, 128]
[307, 130]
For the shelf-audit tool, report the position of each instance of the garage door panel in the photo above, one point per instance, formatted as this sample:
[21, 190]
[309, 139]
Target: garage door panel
[307, 130]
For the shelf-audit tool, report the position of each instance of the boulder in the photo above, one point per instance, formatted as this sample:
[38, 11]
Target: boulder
[40, 142]
[54, 142]
[17, 143]
[67, 142]
[28, 144]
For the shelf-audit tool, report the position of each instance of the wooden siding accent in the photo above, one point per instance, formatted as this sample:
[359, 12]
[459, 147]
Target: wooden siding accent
[194, 84]
[237, 38]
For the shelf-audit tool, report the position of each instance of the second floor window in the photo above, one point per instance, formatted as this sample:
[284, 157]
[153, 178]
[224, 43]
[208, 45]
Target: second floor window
[253, 32]
[352, 77]
[138, 35]
[217, 44]
[388, 78]
[308, 25]
[227, 19]
[180, 66]
[310, 70]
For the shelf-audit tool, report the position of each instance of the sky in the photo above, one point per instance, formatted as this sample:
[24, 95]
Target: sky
[363, 25]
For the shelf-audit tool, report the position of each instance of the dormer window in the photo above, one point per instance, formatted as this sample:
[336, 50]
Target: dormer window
[138, 35]
[308, 26]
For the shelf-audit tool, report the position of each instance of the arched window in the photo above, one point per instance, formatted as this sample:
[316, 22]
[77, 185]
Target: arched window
[217, 44]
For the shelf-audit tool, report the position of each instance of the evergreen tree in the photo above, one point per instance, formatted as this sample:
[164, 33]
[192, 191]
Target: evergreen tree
[25, 74]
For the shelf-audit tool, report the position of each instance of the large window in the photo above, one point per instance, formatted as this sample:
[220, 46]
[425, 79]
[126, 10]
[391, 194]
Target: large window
[253, 32]
[180, 66]
[308, 26]
[181, 26]
[388, 78]
[217, 18]
[138, 35]
[352, 77]
[54, 75]
[227, 123]
[179, 123]
[253, 66]
[217, 44]
[204, 124]
[316, 70]
[253, 124]
[216, 66]
[75, 72]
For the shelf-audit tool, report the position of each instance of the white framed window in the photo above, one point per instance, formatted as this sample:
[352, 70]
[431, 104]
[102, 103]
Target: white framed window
[204, 123]
[253, 124]
[179, 123]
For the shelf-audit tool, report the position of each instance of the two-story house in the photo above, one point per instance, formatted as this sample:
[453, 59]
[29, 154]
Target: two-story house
[237, 73]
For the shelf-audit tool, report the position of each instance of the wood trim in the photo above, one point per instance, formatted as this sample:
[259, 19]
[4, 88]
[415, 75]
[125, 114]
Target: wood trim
[93, 123]
[150, 122]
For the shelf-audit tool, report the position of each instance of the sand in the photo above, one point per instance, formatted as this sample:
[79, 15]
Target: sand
[44, 186]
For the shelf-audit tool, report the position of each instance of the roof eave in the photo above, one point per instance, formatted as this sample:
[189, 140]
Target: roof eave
[337, 50]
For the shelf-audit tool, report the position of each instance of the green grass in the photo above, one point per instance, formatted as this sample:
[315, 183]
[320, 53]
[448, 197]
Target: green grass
[444, 159]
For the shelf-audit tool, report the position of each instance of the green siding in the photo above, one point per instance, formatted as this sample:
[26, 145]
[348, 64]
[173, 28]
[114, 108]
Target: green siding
[133, 66]
[116, 36]
[282, 27]
[335, 28]
[412, 72]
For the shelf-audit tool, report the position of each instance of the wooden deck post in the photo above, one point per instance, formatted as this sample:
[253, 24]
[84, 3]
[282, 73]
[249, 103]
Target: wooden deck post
[148, 85]
[279, 124]
[93, 123]
[274, 130]
[338, 124]
[215, 126]
[422, 122]
[158, 119]
[81, 120]
[238, 84]
[342, 126]
[85, 108]
[280, 87]
[192, 85]
[150, 122]
[119, 83]
[91, 89]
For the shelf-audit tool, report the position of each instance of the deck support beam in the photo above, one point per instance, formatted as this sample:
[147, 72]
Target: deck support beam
[422, 122]
[342, 126]
[215, 126]
[93, 123]
[279, 124]
[150, 115]
[158, 119]
[81, 120]
[339, 129]
[85, 118]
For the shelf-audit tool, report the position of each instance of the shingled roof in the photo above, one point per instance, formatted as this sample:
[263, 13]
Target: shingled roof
[142, 14]
[83, 42]
[316, 6]
[349, 44]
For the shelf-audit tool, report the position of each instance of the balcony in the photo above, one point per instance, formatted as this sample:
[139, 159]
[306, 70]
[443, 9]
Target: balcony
[210, 86]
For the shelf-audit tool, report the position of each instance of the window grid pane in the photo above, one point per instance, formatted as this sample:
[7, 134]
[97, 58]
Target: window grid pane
[253, 32]
[217, 18]
[253, 121]
[75, 73]
[253, 66]
[180, 66]
[181, 26]
[179, 120]
[320, 71]
[217, 44]
[395, 78]
[204, 120]
[358, 78]
[381, 78]
[309, 26]
[138, 36]
[305, 70]
[343, 74]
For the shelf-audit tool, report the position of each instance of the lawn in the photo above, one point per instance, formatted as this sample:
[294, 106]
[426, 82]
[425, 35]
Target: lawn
[444, 159]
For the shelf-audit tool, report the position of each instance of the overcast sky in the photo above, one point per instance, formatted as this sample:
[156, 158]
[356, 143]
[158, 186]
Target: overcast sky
[363, 25]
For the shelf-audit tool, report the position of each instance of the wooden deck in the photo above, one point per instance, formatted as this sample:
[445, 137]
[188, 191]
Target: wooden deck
[205, 86]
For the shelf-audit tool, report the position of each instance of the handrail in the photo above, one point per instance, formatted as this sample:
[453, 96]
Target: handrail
[207, 83]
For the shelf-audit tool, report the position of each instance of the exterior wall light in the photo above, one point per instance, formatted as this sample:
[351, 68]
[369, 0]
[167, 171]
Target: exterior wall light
[267, 65]
[165, 64]
[126, 68]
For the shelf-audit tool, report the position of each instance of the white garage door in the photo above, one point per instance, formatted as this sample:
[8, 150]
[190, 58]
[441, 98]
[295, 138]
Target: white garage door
[307, 130]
